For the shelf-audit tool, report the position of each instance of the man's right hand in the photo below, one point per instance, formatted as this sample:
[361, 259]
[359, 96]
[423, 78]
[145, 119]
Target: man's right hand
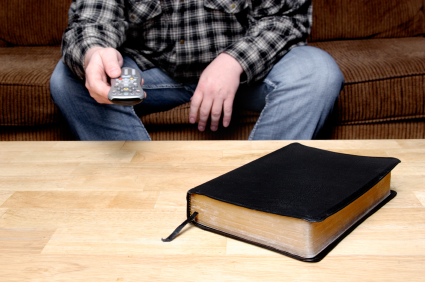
[101, 63]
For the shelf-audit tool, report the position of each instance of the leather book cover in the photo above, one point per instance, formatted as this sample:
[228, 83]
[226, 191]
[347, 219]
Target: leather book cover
[300, 182]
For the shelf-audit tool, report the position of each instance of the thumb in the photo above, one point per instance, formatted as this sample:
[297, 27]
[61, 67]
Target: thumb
[112, 61]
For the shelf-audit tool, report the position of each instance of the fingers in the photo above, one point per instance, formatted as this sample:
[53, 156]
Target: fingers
[141, 84]
[227, 112]
[221, 107]
[195, 106]
[96, 83]
[216, 114]
[112, 61]
[204, 113]
[102, 63]
[210, 106]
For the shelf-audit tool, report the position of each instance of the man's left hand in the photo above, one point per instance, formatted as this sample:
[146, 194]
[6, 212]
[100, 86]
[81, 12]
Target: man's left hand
[215, 92]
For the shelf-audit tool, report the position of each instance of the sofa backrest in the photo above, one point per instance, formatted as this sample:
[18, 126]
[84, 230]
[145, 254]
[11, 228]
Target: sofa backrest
[345, 19]
[33, 22]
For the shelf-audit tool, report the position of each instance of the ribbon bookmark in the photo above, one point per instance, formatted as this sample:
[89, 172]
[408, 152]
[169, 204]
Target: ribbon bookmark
[178, 229]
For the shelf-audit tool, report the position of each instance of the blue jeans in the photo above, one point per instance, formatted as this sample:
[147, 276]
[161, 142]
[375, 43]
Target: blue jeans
[295, 99]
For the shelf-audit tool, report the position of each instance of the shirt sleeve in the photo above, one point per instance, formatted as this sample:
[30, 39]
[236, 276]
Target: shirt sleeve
[274, 27]
[91, 23]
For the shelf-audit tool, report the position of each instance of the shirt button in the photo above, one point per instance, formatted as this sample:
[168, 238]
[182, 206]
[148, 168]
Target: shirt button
[182, 41]
[233, 6]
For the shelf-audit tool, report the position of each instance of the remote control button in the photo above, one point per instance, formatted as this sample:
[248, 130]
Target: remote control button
[126, 88]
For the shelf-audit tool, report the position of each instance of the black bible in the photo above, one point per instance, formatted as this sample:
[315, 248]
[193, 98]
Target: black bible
[299, 201]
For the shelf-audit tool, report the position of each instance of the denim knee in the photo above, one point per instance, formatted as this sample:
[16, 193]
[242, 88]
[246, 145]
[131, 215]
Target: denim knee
[324, 73]
[309, 68]
[306, 83]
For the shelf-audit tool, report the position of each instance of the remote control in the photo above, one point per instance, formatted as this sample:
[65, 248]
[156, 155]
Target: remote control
[126, 89]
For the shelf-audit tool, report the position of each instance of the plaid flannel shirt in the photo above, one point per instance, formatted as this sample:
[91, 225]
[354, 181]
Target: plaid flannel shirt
[183, 36]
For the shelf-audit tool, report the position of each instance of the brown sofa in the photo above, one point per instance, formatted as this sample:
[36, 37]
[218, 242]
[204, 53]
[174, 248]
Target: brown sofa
[379, 46]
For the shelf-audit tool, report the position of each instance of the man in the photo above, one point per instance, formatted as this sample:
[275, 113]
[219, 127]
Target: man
[214, 53]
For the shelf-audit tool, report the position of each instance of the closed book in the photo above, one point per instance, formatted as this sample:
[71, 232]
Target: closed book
[299, 201]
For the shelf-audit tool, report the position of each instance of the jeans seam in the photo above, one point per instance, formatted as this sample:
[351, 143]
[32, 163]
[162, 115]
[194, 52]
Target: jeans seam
[270, 83]
[141, 123]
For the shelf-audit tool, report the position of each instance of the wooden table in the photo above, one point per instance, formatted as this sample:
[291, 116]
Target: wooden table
[96, 211]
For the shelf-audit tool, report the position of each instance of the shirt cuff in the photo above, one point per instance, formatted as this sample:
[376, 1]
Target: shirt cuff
[250, 59]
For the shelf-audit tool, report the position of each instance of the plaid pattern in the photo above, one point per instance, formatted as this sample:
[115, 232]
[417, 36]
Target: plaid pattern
[183, 36]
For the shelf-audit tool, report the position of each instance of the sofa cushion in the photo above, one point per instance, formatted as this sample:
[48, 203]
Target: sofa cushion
[409, 129]
[24, 85]
[33, 22]
[385, 79]
[341, 19]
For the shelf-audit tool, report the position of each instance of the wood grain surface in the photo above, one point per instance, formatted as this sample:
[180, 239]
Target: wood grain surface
[96, 211]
